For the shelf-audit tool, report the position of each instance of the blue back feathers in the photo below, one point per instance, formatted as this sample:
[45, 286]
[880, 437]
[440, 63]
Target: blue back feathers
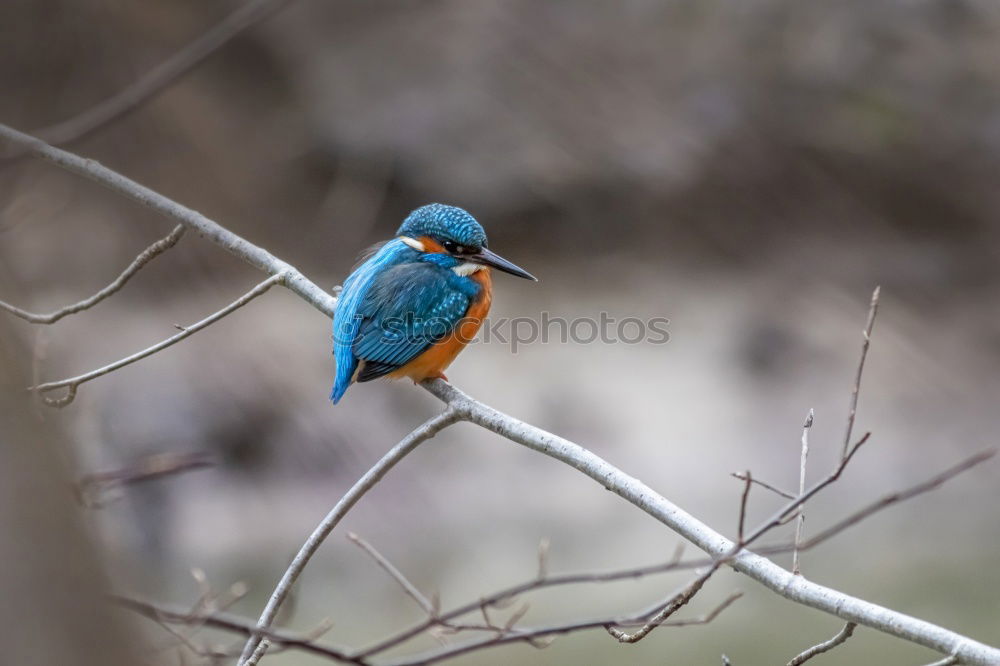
[400, 301]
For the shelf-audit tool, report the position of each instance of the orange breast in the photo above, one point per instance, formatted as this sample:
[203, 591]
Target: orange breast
[437, 358]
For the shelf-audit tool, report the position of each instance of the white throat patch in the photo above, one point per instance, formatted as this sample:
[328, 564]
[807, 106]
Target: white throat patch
[468, 268]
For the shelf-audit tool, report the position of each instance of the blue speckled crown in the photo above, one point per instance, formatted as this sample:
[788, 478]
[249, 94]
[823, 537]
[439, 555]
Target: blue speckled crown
[445, 223]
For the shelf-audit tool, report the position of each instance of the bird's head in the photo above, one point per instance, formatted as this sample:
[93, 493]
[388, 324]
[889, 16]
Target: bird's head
[448, 231]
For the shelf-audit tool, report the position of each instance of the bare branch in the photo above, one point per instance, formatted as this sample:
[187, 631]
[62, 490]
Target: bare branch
[504, 597]
[802, 489]
[408, 587]
[147, 255]
[208, 229]
[789, 509]
[825, 646]
[421, 434]
[163, 75]
[168, 615]
[674, 604]
[765, 572]
[947, 661]
[91, 486]
[534, 635]
[893, 498]
[766, 486]
[856, 390]
[73, 383]
[748, 482]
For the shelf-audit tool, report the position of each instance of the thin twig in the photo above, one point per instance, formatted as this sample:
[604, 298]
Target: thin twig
[387, 566]
[947, 661]
[421, 434]
[674, 604]
[747, 484]
[163, 75]
[144, 257]
[532, 635]
[893, 498]
[208, 229]
[762, 484]
[90, 486]
[856, 389]
[73, 383]
[171, 615]
[825, 646]
[789, 509]
[802, 488]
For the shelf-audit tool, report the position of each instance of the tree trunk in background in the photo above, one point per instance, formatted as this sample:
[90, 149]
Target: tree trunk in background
[52, 609]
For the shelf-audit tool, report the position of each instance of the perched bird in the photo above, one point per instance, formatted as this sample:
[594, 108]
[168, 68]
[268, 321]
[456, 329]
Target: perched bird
[413, 305]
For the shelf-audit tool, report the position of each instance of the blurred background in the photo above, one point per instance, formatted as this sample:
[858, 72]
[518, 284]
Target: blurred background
[749, 170]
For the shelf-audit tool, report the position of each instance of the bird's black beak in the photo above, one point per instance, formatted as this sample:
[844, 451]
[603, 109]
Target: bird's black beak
[490, 258]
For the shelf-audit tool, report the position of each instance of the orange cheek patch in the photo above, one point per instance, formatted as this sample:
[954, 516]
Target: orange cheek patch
[431, 245]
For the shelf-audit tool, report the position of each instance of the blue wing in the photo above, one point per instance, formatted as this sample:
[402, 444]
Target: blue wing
[347, 320]
[391, 309]
[408, 308]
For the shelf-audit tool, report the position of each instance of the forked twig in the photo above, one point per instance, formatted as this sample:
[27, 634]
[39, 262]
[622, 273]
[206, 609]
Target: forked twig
[825, 646]
[144, 257]
[431, 427]
[767, 486]
[73, 383]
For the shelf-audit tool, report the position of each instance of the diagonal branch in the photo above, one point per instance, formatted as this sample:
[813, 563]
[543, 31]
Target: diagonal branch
[765, 572]
[163, 75]
[431, 427]
[893, 498]
[146, 256]
[754, 566]
[856, 389]
[387, 566]
[167, 615]
[193, 220]
[825, 646]
[73, 383]
[767, 486]
[535, 635]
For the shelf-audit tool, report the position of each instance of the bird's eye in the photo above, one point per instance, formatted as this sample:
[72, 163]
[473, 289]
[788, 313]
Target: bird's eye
[453, 248]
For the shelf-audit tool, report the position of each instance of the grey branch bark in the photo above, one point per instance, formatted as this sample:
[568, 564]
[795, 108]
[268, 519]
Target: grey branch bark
[430, 428]
[146, 256]
[256, 256]
[767, 573]
[73, 383]
[825, 646]
[856, 389]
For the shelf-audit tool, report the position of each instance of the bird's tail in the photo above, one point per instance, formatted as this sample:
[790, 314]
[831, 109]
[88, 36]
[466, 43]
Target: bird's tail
[340, 388]
[346, 373]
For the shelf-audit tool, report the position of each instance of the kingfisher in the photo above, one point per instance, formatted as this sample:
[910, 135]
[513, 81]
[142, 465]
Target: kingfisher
[417, 300]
